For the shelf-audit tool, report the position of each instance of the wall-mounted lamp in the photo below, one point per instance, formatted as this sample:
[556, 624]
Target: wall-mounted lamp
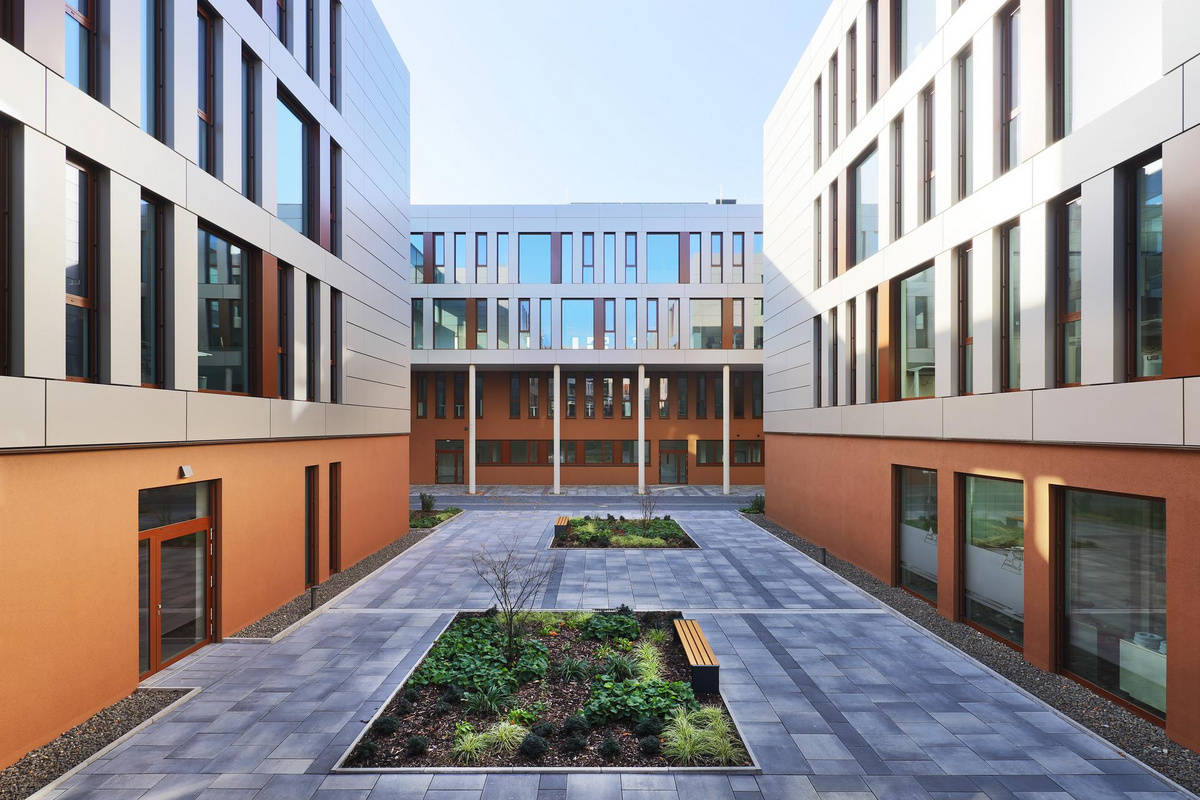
[185, 471]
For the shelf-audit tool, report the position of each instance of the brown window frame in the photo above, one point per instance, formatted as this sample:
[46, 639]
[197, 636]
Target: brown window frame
[160, 276]
[6, 217]
[1062, 248]
[89, 300]
[159, 113]
[312, 337]
[335, 517]
[335, 52]
[1129, 173]
[335, 345]
[834, 202]
[421, 395]
[335, 198]
[283, 331]
[962, 266]
[312, 525]
[817, 324]
[817, 123]
[11, 12]
[311, 56]
[283, 22]
[834, 373]
[897, 177]
[873, 345]
[852, 74]
[1058, 70]
[833, 102]
[250, 133]
[310, 154]
[928, 154]
[962, 118]
[206, 111]
[1006, 307]
[1009, 113]
[91, 24]
[852, 347]
[818, 243]
[873, 53]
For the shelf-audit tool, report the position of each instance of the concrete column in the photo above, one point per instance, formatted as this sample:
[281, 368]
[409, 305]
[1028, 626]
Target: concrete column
[641, 419]
[556, 454]
[471, 432]
[725, 429]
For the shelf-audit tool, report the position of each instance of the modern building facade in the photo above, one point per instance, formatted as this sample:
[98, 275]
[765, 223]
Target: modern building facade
[536, 309]
[981, 222]
[214, 414]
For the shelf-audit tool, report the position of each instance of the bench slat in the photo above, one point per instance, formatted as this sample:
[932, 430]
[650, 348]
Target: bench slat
[695, 645]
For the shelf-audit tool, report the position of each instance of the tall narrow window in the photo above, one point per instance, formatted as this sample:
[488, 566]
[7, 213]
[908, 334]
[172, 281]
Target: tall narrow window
[913, 24]
[283, 330]
[418, 323]
[873, 346]
[501, 258]
[681, 396]
[439, 258]
[631, 259]
[852, 74]
[460, 395]
[533, 396]
[502, 323]
[282, 22]
[756, 322]
[1010, 87]
[964, 181]
[834, 357]
[739, 258]
[311, 525]
[293, 168]
[82, 244]
[81, 46]
[833, 102]
[421, 404]
[993, 527]
[716, 246]
[250, 72]
[1010, 307]
[479, 384]
[206, 100]
[928, 165]
[514, 395]
[153, 68]
[1069, 289]
[664, 397]
[966, 336]
[852, 351]
[756, 260]
[897, 178]
[9, 22]
[739, 323]
[817, 124]
[917, 523]
[610, 323]
[439, 395]
[481, 257]
[914, 333]
[1144, 261]
[818, 399]
[626, 398]
[756, 395]
[872, 52]
[607, 387]
[695, 256]
[651, 322]
[866, 206]
[460, 258]
[545, 326]
[589, 397]
[6, 209]
[335, 346]
[224, 291]
[737, 394]
[335, 198]
[701, 396]
[310, 38]
[335, 516]
[416, 256]
[589, 258]
[566, 260]
[524, 340]
[569, 401]
[335, 53]
[610, 258]
[834, 205]
[631, 323]
[152, 291]
[1062, 55]
[312, 338]
[818, 245]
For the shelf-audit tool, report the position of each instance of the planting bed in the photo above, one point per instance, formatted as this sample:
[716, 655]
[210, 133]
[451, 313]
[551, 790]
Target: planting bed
[427, 519]
[584, 690]
[618, 532]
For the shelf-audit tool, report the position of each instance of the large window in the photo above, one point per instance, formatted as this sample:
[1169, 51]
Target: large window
[917, 520]
[293, 173]
[578, 324]
[449, 324]
[662, 258]
[502, 323]
[963, 178]
[1145, 260]
[631, 260]
[915, 333]
[916, 23]
[1114, 595]
[545, 326]
[224, 335]
[152, 292]
[1069, 289]
[1010, 87]
[81, 44]
[994, 555]
[715, 248]
[153, 68]
[533, 258]
[250, 72]
[966, 333]
[206, 97]
[706, 324]
[82, 240]
[746, 453]
[1010, 307]
[866, 206]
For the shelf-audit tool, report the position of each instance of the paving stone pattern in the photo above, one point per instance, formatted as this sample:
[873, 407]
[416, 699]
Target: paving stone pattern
[837, 697]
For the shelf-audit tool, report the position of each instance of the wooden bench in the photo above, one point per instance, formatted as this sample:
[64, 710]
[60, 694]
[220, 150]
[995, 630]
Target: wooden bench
[560, 526]
[700, 656]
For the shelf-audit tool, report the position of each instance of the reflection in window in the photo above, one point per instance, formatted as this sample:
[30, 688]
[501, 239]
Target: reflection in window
[918, 517]
[460, 258]
[1115, 595]
[152, 61]
[1070, 290]
[418, 323]
[416, 256]
[631, 258]
[706, 324]
[673, 323]
[1147, 238]
[915, 30]
[739, 258]
[567, 259]
[866, 206]
[524, 341]
[610, 323]
[994, 556]
[81, 237]
[589, 258]
[578, 324]
[569, 401]
[481, 326]
[533, 258]
[545, 327]
[1010, 306]
[714, 268]
[662, 258]
[151, 294]
[206, 153]
[651, 322]
[631, 323]
[449, 324]
[224, 333]
[292, 162]
[502, 323]
[1010, 88]
[964, 179]
[756, 260]
[481, 258]
[966, 335]
[739, 323]
[915, 327]
[501, 258]
[80, 44]
[756, 321]
[610, 258]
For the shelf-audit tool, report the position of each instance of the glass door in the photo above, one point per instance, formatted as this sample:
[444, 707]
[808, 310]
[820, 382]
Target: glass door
[183, 594]
[672, 461]
[448, 461]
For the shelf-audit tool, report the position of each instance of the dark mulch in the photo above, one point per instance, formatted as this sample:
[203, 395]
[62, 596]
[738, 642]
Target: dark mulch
[1133, 734]
[55, 758]
[669, 532]
[561, 700]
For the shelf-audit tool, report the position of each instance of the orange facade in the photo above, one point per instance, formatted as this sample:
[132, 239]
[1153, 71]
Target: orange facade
[69, 556]
[838, 492]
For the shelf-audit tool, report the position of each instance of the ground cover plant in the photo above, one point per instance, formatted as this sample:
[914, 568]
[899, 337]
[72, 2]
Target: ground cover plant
[611, 531]
[427, 516]
[580, 689]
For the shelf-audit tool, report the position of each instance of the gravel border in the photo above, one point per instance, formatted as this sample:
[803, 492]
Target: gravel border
[1136, 736]
[301, 606]
[55, 758]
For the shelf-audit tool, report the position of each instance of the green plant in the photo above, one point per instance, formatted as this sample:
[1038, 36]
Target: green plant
[658, 636]
[574, 744]
[471, 654]
[489, 700]
[610, 748]
[575, 619]
[622, 644]
[452, 694]
[702, 736]
[611, 626]
[650, 745]
[462, 728]
[649, 726]
[470, 748]
[505, 737]
[416, 745]
[442, 708]
[571, 669]
[411, 694]
[427, 501]
[620, 667]
[543, 729]
[632, 699]
[533, 746]
[575, 725]
[366, 750]
[403, 707]
[526, 715]
[385, 726]
[649, 661]
[756, 506]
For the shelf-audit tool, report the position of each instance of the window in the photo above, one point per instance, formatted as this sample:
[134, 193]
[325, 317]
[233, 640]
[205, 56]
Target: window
[81, 44]
[631, 323]
[1010, 87]
[739, 258]
[449, 324]
[460, 258]
[524, 338]
[629, 451]
[335, 516]
[82, 244]
[1069, 289]
[610, 323]
[282, 26]
[834, 357]
[873, 346]
[914, 30]
[626, 398]
[311, 525]
[1062, 67]
[817, 124]
[422, 382]
[152, 292]
[439, 395]
[572, 386]
[293, 168]
[715, 248]
[335, 346]
[514, 395]
[589, 258]
[416, 256]
[439, 258]
[928, 171]
[501, 258]
[6, 214]
[335, 53]
[914, 333]
[681, 396]
[310, 38]
[606, 386]
[481, 257]
[897, 178]
[664, 397]
[662, 258]
[756, 321]
[283, 331]
[335, 198]
[533, 396]
[833, 102]
[153, 68]
[718, 397]
[610, 258]
[578, 324]
[250, 72]
[852, 73]
[631, 258]
[834, 206]
[695, 248]
[481, 323]
[737, 392]
[651, 323]
[756, 260]
[673, 323]
[818, 247]
[567, 454]
[460, 395]
[963, 179]
[224, 290]
[917, 520]
[817, 366]
[709, 452]
[566, 258]
[1144, 259]
[597, 452]
[502, 323]
[312, 336]
[9, 21]
[966, 336]
[1114, 595]
[747, 453]
[701, 396]
[545, 326]
[756, 395]
[418, 323]
[872, 52]
[1010, 307]
[739, 323]
[994, 556]
[866, 206]
[852, 350]
[533, 258]
[706, 324]
[589, 397]
[206, 98]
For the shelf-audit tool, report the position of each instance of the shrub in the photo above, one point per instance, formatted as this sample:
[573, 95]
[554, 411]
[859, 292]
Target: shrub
[442, 708]
[543, 729]
[574, 744]
[571, 669]
[622, 644]
[416, 745]
[452, 694]
[756, 506]
[533, 746]
[610, 748]
[702, 736]
[648, 659]
[649, 726]
[403, 707]
[490, 700]
[650, 745]
[366, 750]
[427, 501]
[632, 700]
[575, 619]
[471, 655]
[385, 726]
[576, 725]
[505, 737]
[620, 668]
[611, 626]
[411, 694]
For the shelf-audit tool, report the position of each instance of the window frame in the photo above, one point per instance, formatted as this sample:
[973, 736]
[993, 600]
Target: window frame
[854, 256]
[158, 337]
[852, 75]
[1010, 111]
[335, 52]
[208, 147]
[817, 326]
[873, 53]
[818, 124]
[588, 266]
[250, 133]
[335, 198]
[312, 338]
[852, 351]
[311, 168]
[960, 533]
[834, 373]
[250, 308]
[91, 247]
[90, 23]
[965, 100]
[1006, 309]
[717, 239]
[1132, 236]
[928, 154]
[1062, 270]
[336, 369]
[631, 237]
[283, 331]
[481, 265]
[158, 94]
[833, 102]
[964, 333]
[897, 170]
[897, 319]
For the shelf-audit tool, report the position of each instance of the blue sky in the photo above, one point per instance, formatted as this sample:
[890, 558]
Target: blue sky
[552, 101]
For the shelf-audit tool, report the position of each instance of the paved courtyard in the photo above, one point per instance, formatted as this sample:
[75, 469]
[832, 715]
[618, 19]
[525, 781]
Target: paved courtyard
[836, 696]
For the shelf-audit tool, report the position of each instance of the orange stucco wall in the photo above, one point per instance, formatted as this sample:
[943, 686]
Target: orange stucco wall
[68, 557]
[837, 492]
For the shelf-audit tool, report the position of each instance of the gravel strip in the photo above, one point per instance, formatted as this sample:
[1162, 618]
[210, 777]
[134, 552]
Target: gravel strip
[1136, 736]
[300, 606]
[51, 760]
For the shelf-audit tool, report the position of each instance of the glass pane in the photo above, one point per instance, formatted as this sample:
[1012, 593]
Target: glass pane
[1012, 379]
[447, 467]
[916, 29]
[994, 558]
[223, 333]
[631, 324]
[1115, 594]
[77, 231]
[292, 168]
[610, 258]
[501, 258]
[143, 607]
[533, 258]
[149, 65]
[184, 584]
[78, 53]
[662, 258]
[567, 258]
[449, 324]
[502, 323]
[578, 324]
[866, 207]
[1148, 276]
[78, 351]
[545, 327]
[149, 293]
[418, 323]
[918, 531]
[706, 324]
[916, 335]
[170, 504]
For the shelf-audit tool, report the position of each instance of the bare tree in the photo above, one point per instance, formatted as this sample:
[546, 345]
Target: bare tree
[516, 582]
[648, 501]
